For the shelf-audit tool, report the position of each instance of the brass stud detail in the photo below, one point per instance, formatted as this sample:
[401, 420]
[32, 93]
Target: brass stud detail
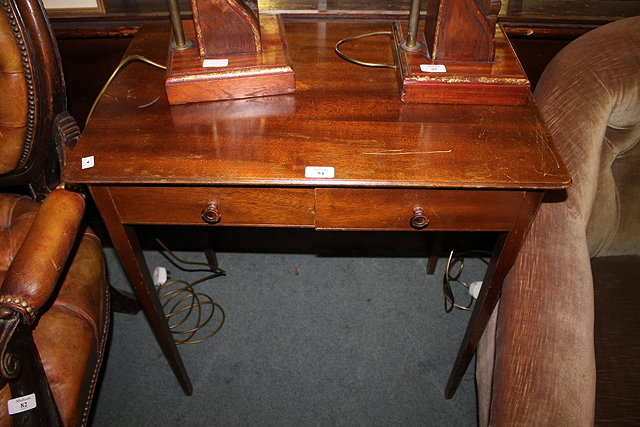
[19, 302]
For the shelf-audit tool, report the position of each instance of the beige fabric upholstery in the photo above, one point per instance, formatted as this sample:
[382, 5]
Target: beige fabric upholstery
[538, 367]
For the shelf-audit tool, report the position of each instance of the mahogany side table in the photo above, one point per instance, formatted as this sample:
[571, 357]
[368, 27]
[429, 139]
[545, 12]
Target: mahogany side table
[342, 153]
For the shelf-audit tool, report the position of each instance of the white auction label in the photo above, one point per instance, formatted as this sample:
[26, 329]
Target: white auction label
[88, 162]
[21, 404]
[215, 63]
[433, 68]
[319, 172]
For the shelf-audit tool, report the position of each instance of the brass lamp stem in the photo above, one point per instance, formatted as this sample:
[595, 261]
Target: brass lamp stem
[176, 25]
[411, 43]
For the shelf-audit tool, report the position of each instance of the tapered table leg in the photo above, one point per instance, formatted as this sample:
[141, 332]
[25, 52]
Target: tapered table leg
[210, 252]
[436, 248]
[127, 247]
[504, 255]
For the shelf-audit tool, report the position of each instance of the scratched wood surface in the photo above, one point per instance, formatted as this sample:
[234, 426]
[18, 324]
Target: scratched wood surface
[343, 116]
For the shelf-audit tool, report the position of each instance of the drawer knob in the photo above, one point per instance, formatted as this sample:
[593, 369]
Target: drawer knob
[210, 214]
[419, 220]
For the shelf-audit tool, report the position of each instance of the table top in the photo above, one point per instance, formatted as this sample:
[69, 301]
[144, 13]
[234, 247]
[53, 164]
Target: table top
[342, 115]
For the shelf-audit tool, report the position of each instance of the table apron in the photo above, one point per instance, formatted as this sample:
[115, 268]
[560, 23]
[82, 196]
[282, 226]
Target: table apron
[320, 208]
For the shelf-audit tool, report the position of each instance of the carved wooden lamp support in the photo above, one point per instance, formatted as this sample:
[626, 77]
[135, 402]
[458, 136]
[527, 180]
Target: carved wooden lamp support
[237, 54]
[461, 57]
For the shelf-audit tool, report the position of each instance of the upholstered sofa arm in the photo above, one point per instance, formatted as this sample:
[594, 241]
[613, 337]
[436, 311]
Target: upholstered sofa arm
[36, 268]
[537, 365]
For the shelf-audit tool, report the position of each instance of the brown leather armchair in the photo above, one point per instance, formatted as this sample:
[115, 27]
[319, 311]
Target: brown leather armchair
[545, 363]
[54, 304]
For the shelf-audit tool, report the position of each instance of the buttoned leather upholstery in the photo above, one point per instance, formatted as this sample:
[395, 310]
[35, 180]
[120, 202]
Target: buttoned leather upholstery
[13, 99]
[72, 326]
[52, 272]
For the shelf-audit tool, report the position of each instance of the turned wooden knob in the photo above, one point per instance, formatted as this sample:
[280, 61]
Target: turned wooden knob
[210, 214]
[419, 219]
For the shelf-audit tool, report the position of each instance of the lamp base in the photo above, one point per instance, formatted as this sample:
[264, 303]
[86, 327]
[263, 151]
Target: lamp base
[421, 80]
[192, 78]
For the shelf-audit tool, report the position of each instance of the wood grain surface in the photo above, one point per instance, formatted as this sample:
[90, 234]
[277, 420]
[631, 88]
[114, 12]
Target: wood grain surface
[342, 115]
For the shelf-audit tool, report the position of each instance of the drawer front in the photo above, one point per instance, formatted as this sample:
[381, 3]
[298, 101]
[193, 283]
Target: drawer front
[394, 209]
[238, 206]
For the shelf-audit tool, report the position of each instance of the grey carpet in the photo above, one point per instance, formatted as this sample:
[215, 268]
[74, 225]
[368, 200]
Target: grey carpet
[308, 341]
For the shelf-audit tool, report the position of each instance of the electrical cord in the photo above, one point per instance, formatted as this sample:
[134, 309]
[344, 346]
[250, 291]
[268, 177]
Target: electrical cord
[125, 61]
[179, 295]
[362, 63]
[184, 302]
[451, 275]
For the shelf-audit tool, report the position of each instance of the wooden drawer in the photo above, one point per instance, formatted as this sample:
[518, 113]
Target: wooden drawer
[238, 206]
[324, 208]
[393, 209]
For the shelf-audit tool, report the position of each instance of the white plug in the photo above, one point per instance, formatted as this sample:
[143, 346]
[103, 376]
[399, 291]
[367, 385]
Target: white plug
[474, 289]
[159, 276]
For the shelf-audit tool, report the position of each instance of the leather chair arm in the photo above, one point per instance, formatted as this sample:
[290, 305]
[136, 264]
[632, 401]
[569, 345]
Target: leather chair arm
[34, 272]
